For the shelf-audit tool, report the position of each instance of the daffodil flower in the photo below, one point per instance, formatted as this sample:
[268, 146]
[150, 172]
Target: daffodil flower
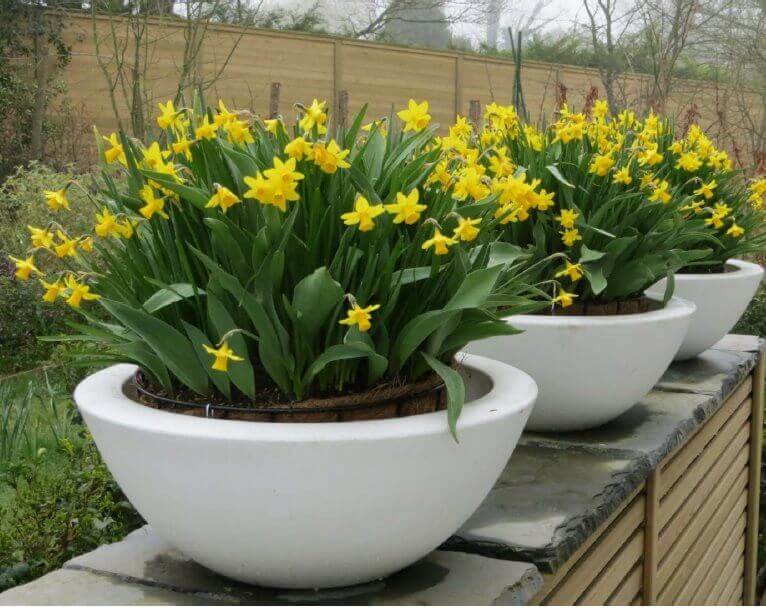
[222, 355]
[25, 267]
[57, 199]
[223, 198]
[415, 117]
[564, 298]
[363, 214]
[439, 243]
[406, 208]
[466, 230]
[359, 316]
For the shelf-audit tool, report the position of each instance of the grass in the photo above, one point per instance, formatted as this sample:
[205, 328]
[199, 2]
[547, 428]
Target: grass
[57, 499]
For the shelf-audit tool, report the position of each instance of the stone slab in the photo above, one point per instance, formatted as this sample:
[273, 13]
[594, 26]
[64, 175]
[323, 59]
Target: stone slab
[76, 587]
[143, 568]
[557, 489]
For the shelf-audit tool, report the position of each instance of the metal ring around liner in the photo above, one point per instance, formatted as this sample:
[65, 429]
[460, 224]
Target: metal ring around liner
[210, 408]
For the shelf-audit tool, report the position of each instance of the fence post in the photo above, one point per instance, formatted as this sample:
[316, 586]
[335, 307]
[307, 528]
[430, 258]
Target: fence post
[458, 85]
[342, 108]
[474, 112]
[274, 100]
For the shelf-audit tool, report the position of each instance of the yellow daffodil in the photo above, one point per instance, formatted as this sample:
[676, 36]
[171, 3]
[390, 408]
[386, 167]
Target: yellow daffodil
[223, 198]
[223, 116]
[564, 298]
[716, 220]
[329, 157]
[694, 206]
[363, 214]
[573, 271]
[440, 175]
[545, 200]
[106, 224]
[406, 208]
[260, 188]
[315, 116]
[461, 129]
[40, 237]
[272, 125]
[52, 290]
[415, 117]
[25, 267]
[600, 109]
[622, 176]
[127, 228]
[116, 152]
[153, 204]
[570, 236]
[183, 146]
[601, 164]
[470, 183]
[439, 243]
[283, 172]
[86, 244]
[660, 193]
[238, 132]
[66, 246]
[722, 209]
[299, 149]
[651, 156]
[567, 218]
[689, 162]
[169, 116]
[56, 199]
[735, 231]
[78, 292]
[706, 190]
[206, 130]
[466, 230]
[222, 355]
[361, 317]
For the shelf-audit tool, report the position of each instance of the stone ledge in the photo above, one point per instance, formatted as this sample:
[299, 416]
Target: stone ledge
[142, 568]
[557, 489]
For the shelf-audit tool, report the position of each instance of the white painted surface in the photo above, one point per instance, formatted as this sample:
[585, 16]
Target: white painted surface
[590, 369]
[304, 505]
[721, 300]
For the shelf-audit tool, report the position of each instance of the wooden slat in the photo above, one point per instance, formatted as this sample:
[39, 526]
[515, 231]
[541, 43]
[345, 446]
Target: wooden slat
[651, 534]
[735, 598]
[709, 592]
[621, 522]
[731, 571]
[756, 440]
[683, 531]
[628, 588]
[618, 568]
[684, 455]
[687, 569]
[721, 547]
[727, 441]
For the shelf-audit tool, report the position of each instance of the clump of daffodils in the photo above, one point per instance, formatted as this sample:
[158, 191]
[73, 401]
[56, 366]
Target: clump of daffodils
[240, 255]
[613, 201]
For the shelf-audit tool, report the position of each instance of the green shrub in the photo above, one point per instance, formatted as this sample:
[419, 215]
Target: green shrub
[60, 512]
[22, 203]
[754, 320]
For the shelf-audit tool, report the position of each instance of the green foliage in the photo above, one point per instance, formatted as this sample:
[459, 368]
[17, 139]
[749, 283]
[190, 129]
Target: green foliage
[57, 499]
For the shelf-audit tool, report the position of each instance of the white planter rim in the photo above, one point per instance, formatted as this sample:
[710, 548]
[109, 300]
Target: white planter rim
[675, 308]
[517, 389]
[740, 269]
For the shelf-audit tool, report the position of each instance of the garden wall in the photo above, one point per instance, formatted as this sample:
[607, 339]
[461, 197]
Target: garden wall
[384, 75]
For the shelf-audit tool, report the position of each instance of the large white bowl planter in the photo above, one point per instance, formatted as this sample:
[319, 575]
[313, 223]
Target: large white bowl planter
[720, 298]
[590, 369]
[308, 505]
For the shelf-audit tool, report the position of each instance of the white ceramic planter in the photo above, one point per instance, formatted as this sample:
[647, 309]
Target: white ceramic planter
[308, 505]
[720, 298]
[590, 369]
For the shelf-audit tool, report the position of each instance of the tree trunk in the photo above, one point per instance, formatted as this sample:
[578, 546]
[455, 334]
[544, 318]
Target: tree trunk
[38, 108]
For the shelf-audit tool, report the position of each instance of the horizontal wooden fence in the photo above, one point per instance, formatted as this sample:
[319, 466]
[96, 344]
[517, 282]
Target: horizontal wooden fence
[254, 63]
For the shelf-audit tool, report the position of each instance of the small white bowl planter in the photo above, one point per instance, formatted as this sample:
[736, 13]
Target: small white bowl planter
[308, 505]
[720, 298]
[590, 369]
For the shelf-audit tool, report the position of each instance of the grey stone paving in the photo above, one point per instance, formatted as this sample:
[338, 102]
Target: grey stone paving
[558, 488]
[143, 569]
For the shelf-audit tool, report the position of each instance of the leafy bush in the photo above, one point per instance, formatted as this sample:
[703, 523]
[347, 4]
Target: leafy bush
[57, 513]
[57, 499]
